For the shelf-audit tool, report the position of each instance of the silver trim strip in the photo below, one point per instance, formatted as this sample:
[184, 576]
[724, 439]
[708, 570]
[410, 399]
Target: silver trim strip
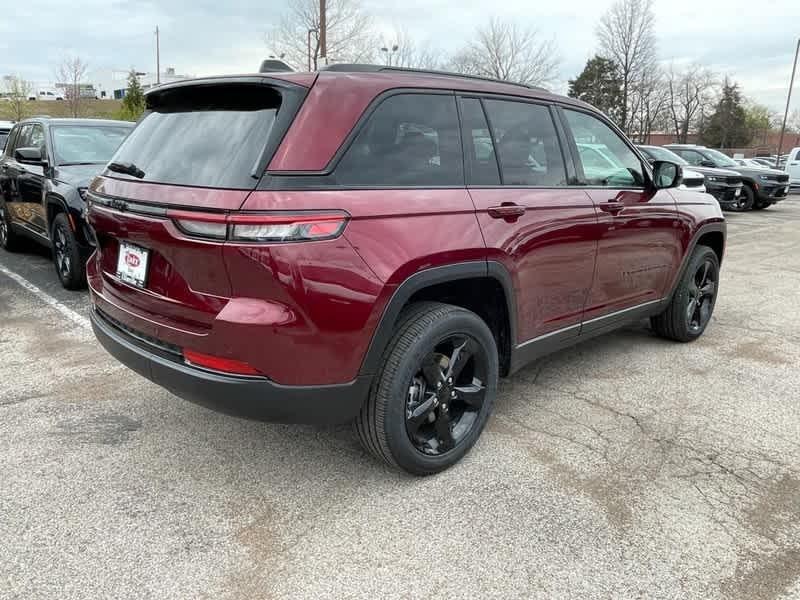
[609, 316]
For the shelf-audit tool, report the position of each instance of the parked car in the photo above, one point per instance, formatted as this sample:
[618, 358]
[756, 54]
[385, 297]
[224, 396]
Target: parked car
[724, 185]
[44, 173]
[748, 162]
[793, 167]
[762, 187]
[598, 157]
[334, 247]
[5, 129]
[766, 161]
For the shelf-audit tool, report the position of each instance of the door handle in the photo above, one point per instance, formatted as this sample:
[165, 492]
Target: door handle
[612, 206]
[509, 211]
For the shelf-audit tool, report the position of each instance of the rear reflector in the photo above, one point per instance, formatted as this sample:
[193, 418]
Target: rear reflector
[261, 227]
[217, 363]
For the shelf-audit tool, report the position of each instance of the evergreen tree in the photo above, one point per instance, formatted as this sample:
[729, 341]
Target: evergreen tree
[133, 103]
[727, 127]
[600, 85]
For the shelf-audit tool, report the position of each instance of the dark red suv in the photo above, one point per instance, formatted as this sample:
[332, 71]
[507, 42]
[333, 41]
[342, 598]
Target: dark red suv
[379, 245]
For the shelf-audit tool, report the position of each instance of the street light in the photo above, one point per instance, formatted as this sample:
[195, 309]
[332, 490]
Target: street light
[389, 54]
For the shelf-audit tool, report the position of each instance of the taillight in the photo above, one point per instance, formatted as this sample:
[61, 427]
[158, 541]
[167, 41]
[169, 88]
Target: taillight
[217, 363]
[261, 227]
[286, 228]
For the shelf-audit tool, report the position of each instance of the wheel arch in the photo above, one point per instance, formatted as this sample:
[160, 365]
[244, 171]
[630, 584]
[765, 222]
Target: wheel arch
[712, 234]
[56, 204]
[483, 287]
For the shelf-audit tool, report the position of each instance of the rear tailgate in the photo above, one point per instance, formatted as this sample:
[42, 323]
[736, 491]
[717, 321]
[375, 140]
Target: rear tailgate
[201, 148]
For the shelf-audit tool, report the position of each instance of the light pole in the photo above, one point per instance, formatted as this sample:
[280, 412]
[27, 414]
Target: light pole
[310, 31]
[788, 100]
[158, 59]
[389, 53]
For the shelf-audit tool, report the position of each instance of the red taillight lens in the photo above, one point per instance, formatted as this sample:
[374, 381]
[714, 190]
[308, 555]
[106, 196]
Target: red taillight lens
[261, 227]
[216, 363]
[286, 228]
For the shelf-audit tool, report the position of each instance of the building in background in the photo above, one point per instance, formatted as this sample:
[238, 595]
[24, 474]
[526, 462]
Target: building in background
[113, 83]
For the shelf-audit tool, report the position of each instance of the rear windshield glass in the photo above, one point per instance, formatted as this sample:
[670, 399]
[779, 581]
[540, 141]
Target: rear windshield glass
[87, 144]
[206, 137]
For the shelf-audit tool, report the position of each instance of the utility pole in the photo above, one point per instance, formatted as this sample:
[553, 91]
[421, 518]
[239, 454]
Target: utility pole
[158, 60]
[323, 33]
[788, 100]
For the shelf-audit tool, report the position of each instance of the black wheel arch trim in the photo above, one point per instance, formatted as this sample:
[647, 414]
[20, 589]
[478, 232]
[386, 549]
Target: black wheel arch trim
[714, 227]
[427, 278]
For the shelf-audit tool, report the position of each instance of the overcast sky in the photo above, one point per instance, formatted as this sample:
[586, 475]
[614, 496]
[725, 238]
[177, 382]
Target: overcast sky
[751, 41]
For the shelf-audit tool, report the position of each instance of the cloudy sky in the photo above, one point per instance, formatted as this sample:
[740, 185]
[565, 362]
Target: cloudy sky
[751, 41]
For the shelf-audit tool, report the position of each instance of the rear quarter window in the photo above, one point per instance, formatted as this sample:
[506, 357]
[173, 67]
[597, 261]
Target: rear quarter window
[210, 136]
[409, 140]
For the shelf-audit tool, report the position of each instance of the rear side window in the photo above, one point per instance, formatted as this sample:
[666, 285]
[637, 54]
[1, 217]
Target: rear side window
[409, 140]
[527, 144]
[203, 136]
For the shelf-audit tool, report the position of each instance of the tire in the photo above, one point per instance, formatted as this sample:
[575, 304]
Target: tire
[746, 200]
[67, 258]
[9, 239]
[690, 309]
[408, 422]
[761, 205]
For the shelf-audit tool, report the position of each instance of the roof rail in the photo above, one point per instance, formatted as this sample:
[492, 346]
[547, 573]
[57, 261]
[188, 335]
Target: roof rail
[367, 68]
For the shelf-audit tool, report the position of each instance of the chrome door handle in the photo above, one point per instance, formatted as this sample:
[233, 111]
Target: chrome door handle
[612, 207]
[506, 211]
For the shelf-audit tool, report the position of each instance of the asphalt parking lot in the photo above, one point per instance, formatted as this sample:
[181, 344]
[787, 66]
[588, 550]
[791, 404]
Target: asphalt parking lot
[624, 467]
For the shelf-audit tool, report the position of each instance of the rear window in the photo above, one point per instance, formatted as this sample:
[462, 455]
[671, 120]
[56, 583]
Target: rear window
[203, 136]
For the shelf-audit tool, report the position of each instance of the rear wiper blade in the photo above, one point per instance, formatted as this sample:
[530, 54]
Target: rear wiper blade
[126, 168]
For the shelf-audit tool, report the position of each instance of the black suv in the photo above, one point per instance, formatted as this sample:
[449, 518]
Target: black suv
[44, 172]
[762, 187]
[724, 185]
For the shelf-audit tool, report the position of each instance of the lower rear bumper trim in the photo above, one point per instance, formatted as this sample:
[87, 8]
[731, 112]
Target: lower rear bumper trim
[249, 397]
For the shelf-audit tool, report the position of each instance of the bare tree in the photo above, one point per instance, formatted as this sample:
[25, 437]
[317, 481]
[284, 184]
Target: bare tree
[626, 35]
[792, 122]
[691, 97]
[69, 74]
[350, 33]
[18, 91]
[408, 52]
[504, 50]
[648, 102]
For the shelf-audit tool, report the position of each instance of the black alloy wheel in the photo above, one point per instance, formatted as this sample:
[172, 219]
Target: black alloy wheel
[702, 293]
[62, 257]
[434, 390]
[689, 311]
[446, 395]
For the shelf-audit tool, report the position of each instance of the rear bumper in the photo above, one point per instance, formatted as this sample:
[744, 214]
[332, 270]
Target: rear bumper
[250, 397]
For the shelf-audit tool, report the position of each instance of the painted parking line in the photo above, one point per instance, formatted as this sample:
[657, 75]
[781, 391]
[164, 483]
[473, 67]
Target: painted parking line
[70, 314]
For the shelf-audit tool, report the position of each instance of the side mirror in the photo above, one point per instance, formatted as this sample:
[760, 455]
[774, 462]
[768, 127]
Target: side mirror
[30, 156]
[666, 174]
[707, 163]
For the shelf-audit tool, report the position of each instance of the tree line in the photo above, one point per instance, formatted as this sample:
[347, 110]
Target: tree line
[626, 80]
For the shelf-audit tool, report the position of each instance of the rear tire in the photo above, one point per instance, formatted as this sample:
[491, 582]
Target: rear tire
[434, 391]
[67, 259]
[689, 312]
[9, 239]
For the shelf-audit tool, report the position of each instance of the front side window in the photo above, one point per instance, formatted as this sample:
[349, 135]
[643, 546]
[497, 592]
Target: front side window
[527, 144]
[606, 159]
[86, 144]
[409, 140]
[37, 138]
[24, 137]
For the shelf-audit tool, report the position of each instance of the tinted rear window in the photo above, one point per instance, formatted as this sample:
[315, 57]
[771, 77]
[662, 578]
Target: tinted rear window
[207, 137]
